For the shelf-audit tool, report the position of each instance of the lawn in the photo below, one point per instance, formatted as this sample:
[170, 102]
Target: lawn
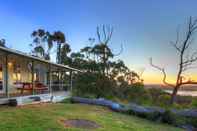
[47, 117]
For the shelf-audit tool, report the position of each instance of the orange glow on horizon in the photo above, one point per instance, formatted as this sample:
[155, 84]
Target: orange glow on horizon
[154, 78]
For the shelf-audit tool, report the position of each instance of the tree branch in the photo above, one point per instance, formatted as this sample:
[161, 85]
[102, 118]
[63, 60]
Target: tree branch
[121, 50]
[110, 32]
[175, 44]
[164, 73]
[190, 60]
[189, 82]
[98, 34]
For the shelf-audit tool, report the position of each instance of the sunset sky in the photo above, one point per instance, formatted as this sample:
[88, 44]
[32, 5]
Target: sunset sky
[144, 27]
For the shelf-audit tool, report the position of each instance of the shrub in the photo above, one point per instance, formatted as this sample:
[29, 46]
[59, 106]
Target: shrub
[155, 93]
[154, 116]
[105, 87]
[84, 85]
[93, 85]
[133, 91]
[173, 119]
[194, 102]
[137, 94]
[66, 100]
[169, 117]
[193, 122]
[164, 100]
[184, 100]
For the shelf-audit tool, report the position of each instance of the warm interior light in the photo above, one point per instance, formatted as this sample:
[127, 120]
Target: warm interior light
[35, 77]
[16, 77]
[9, 64]
[1, 75]
[1, 72]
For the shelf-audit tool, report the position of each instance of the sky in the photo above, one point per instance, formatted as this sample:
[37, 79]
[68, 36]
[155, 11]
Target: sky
[144, 27]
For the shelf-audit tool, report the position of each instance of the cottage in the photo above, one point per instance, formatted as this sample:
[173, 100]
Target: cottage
[28, 78]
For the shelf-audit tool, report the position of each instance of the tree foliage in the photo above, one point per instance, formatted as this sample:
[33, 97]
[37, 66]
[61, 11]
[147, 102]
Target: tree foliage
[2, 43]
[42, 43]
[60, 39]
[102, 76]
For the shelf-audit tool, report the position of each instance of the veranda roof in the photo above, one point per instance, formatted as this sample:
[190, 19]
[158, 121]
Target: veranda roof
[19, 53]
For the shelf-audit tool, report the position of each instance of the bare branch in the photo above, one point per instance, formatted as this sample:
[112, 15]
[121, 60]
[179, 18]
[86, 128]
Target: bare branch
[189, 43]
[192, 26]
[175, 44]
[189, 61]
[104, 32]
[120, 52]
[188, 68]
[110, 32]
[194, 54]
[189, 82]
[164, 73]
[98, 34]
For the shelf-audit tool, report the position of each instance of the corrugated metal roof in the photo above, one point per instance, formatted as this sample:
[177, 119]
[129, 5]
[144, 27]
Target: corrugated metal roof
[16, 52]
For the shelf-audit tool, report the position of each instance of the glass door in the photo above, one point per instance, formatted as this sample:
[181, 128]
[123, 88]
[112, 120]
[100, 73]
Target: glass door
[1, 78]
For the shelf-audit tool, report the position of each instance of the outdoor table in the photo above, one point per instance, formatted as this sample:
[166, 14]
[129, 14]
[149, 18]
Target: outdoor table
[24, 86]
[29, 87]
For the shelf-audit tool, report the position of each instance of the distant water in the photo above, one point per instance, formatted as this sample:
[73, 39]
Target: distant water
[184, 93]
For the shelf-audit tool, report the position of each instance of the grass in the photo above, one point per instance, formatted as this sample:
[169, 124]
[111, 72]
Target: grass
[47, 117]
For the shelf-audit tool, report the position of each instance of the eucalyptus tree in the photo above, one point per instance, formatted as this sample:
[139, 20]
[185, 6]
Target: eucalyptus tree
[42, 43]
[2, 43]
[97, 56]
[65, 50]
[101, 49]
[102, 76]
[60, 39]
[87, 51]
[77, 60]
[118, 70]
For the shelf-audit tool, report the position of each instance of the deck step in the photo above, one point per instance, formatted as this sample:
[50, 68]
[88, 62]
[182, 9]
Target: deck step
[34, 99]
[24, 100]
[4, 101]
